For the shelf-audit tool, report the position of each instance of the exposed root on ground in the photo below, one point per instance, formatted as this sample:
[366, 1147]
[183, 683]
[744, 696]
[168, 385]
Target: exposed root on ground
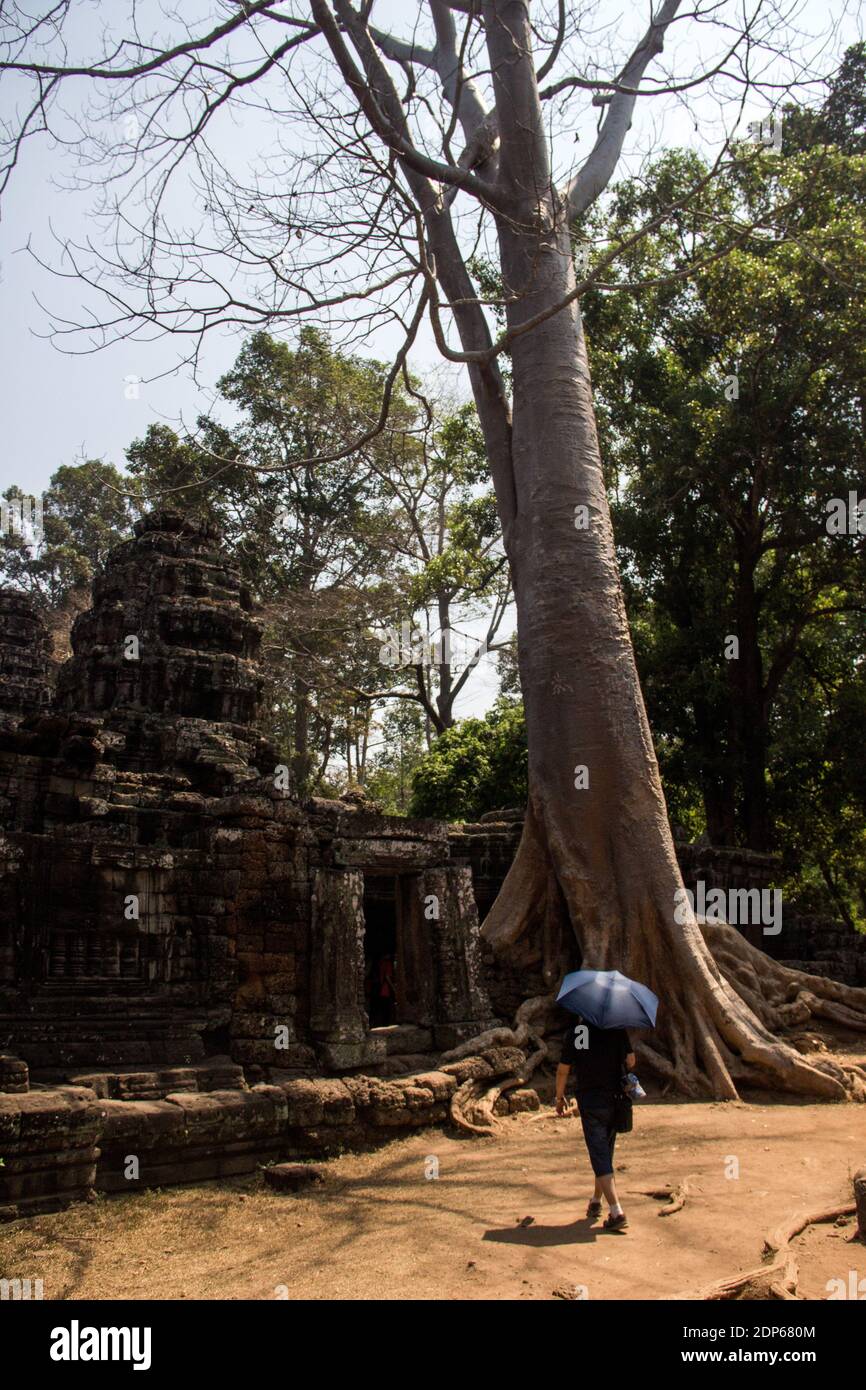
[471, 1096]
[673, 1193]
[782, 999]
[779, 1279]
[729, 1018]
[525, 1029]
[473, 1101]
[775, 992]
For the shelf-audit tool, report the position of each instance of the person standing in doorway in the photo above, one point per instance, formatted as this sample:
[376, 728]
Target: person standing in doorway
[387, 991]
[599, 1057]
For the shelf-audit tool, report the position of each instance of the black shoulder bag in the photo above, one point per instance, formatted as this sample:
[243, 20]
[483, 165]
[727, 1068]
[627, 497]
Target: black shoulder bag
[623, 1114]
[623, 1110]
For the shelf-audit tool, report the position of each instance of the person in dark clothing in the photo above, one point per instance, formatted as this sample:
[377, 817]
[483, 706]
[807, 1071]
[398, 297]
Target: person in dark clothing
[599, 1057]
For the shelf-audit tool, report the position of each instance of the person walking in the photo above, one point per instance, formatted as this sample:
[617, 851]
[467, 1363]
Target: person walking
[599, 1056]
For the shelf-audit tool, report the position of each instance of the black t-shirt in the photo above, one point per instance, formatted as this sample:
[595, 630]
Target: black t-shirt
[600, 1063]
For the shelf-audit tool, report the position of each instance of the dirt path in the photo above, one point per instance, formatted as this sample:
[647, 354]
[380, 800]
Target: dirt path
[381, 1229]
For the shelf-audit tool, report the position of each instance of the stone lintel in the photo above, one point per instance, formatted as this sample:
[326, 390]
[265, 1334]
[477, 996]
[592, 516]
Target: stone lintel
[389, 855]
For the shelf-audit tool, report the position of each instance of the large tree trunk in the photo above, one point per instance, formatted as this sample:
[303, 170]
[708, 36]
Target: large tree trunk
[445, 694]
[596, 868]
[301, 758]
[747, 676]
[717, 782]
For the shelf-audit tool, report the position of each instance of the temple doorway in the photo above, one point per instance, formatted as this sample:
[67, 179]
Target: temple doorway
[381, 945]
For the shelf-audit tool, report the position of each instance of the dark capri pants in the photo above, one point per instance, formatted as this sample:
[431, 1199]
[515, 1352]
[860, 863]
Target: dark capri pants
[597, 1117]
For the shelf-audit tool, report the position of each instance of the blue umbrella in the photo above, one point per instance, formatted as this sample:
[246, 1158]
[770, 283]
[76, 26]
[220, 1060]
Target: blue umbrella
[608, 999]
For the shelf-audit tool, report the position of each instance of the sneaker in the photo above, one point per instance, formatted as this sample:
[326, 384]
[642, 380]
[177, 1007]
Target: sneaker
[616, 1223]
[593, 1211]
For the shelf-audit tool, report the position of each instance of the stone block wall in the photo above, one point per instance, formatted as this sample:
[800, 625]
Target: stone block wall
[62, 1144]
[174, 593]
[24, 658]
[821, 946]
[48, 1143]
[487, 849]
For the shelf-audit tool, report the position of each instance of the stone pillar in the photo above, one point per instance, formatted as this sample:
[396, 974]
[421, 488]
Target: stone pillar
[58, 958]
[129, 962]
[78, 954]
[462, 1006]
[416, 990]
[338, 1020]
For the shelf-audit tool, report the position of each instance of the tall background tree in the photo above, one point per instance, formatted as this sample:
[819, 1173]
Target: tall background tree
[348, 558]
[308, 537]
[446, 542]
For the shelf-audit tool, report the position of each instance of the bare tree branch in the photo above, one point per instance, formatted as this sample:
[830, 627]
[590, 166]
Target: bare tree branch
[389, 126]
[593, 177]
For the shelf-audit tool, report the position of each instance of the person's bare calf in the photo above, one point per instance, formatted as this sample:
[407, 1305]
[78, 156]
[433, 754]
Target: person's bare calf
[606, 1186]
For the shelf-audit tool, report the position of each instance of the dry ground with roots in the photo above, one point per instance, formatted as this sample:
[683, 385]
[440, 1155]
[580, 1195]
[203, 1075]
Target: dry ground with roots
[379, 1229]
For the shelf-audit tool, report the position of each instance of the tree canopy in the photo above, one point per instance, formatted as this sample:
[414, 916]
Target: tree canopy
[479, 765]
[731, 410]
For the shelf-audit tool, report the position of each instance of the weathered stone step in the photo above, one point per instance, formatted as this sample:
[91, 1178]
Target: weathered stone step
[127, 1083]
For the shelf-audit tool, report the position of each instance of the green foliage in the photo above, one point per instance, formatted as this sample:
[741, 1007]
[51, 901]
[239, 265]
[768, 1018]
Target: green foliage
[476, 766]
[296, 525]
[85, 513]
[730, 397]
[818, 774]
[841, 119]
[388, 780]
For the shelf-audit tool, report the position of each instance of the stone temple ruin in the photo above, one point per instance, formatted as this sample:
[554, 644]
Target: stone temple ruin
[186, 954]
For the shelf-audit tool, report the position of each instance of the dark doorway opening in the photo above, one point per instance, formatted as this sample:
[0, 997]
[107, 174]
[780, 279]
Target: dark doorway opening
[217, 1041]
[380, 949]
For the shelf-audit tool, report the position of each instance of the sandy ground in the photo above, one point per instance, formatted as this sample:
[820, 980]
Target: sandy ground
[381, 1229]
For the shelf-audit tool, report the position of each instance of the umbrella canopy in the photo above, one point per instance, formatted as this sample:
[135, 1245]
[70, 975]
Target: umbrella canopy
[608, 999]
